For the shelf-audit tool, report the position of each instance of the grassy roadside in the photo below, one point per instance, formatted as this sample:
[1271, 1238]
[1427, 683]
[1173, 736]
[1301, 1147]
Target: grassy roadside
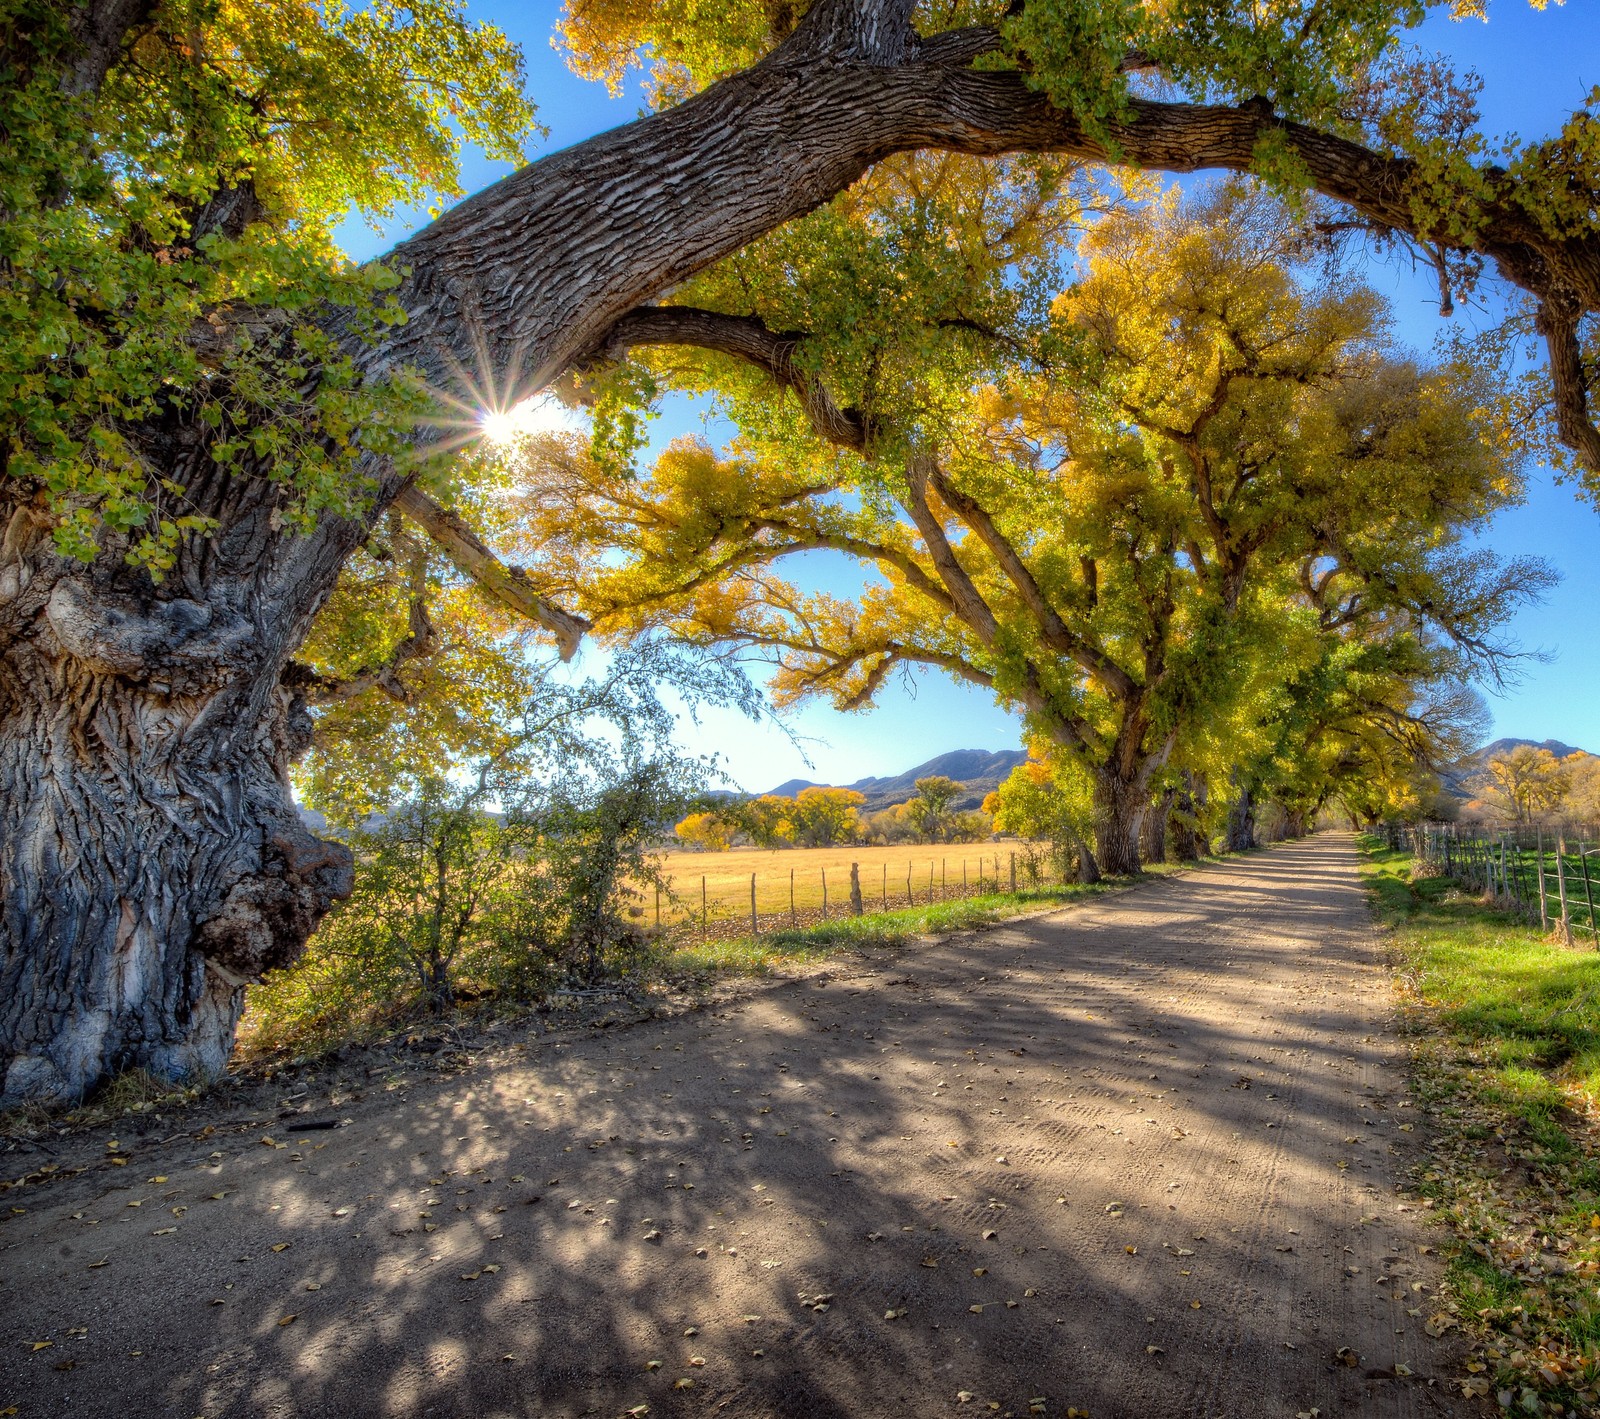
[1505, 1039]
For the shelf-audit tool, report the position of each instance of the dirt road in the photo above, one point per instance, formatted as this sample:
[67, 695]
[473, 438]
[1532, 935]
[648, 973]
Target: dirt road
[1138, 1158]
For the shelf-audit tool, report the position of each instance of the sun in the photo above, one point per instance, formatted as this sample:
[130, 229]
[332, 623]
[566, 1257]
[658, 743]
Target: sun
[501, 426]
[540, 414]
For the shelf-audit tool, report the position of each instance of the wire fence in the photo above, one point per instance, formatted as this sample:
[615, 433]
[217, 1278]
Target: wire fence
[1546, 875]
[807, 896]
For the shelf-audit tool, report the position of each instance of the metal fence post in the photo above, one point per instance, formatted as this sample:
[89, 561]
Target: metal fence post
[1561, 888]
[1588, 895]
[1544, 909]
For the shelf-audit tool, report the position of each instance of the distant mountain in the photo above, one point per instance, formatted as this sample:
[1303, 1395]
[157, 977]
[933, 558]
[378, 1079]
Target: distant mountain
[979, 771]
[1502, 746]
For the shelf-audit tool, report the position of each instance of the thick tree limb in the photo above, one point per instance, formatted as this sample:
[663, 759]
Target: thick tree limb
[1054, 631]
[969, 602]
[101, 27]
[1558, 323]
[507, 584]
[745, 337]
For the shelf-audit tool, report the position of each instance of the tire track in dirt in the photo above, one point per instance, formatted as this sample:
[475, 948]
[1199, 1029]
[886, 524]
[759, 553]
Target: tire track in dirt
[1137, 1158]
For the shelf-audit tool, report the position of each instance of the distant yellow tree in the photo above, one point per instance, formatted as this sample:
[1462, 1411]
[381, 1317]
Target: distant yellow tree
[1583, 787]
[825, 816]
[768, 821]
[932, 813]
[1524, 784]
[705, 832]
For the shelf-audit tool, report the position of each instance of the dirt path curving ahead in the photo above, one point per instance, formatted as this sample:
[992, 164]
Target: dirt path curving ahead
[1137, 1158]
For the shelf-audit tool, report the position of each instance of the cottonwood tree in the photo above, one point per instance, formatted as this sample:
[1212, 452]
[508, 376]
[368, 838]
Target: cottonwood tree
[1114, 545]
[206, 414]
[1524, 784]
[1369, 724]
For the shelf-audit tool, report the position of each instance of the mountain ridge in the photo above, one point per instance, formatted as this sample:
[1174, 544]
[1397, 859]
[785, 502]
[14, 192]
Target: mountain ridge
[978, 771]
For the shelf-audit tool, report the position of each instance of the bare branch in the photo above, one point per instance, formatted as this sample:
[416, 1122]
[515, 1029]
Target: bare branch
[507, 584]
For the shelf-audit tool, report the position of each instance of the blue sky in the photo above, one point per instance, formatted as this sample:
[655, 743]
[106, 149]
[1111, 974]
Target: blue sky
[1536, 66]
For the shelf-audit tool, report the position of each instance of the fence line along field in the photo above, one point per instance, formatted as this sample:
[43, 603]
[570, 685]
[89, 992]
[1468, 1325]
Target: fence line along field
[939, 866]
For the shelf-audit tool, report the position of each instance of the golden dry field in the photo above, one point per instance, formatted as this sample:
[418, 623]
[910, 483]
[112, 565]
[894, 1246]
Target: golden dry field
[727, 875]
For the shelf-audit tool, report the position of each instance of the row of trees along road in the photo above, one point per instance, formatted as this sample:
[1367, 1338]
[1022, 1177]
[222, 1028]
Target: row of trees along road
[1192, 506]
[208, 414]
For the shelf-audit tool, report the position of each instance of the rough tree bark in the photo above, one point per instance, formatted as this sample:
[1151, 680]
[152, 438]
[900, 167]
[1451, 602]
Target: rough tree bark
[151, 860]
[1153, 839]
[1241, 831]
[1120, 803]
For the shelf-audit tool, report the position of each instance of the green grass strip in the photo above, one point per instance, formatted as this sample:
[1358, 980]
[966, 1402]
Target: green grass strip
[1504, 1028]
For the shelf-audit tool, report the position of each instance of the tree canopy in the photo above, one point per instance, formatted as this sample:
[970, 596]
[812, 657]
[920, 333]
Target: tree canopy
[1133, 509]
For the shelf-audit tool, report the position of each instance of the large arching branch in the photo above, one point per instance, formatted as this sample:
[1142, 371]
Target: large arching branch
[745, 337]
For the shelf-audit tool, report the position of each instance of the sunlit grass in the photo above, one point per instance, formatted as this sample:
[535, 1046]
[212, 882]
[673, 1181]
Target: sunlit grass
[1505, 1028]
[795, 946]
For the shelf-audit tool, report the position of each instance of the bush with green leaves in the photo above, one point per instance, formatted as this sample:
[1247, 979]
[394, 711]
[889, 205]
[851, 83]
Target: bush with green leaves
[517, 873]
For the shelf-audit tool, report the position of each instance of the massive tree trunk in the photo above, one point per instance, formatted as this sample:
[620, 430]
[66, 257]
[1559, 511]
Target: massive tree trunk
[1120, 803]
[151, 861]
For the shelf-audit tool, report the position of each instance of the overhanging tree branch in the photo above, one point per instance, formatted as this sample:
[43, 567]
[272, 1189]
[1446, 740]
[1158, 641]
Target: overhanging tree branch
[745, 337]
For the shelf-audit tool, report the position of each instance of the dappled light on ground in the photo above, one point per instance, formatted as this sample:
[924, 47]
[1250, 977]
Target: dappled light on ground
[1137, 1158]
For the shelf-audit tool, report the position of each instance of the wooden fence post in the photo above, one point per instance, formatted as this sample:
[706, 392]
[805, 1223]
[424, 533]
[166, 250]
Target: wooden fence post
[910, 900]
[824, 893]
[1013, 873]
[658, 906]
[930, 881]
[755, 929]
[705, 916]
[855, 890]
[793, 919]
[886, 886]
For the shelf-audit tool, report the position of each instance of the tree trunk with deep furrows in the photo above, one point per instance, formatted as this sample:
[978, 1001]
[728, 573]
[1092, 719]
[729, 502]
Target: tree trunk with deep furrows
[1153, 836]
[1120, 803]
